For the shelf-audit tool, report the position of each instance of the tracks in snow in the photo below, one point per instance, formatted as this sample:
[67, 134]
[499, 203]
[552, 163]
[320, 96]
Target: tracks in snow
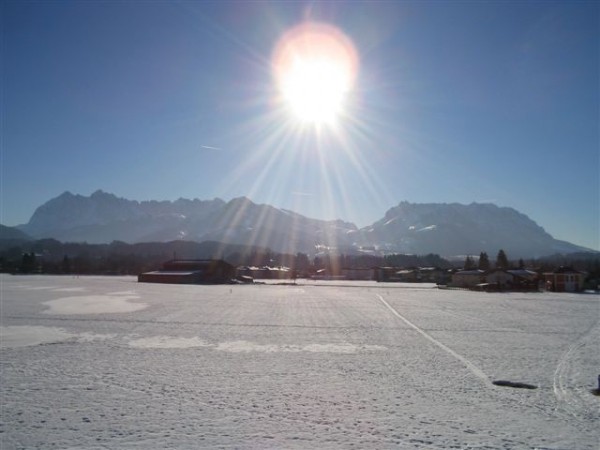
[572, 399]
[472, 367]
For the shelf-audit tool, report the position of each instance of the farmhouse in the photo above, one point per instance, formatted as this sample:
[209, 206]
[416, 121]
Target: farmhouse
[496, 279]
[501, 278]
[408, 275]
[265, 272]
[411, 275]
[516, 280]
[357, 273]
[196, 271]
[564, 279]
[468, 278]
[433, 275]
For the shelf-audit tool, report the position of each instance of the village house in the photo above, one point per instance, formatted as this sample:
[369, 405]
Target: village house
[503, 279]
[526, 274]
[265, 272]
[411, 275]
[384, 273]
[408, 275]
[512, 279]
[433, 275]
[357, 274]
[564, 279]
[468, 278]
[325, 274]
[496, 279]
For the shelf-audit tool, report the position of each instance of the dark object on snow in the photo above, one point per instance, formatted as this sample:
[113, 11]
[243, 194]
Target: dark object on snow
[514, 384]
[596, 391]
[194, 271]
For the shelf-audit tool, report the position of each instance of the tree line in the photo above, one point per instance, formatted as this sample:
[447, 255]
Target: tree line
[119, 258]
[483, 263]
[53, 257]
[588, 263]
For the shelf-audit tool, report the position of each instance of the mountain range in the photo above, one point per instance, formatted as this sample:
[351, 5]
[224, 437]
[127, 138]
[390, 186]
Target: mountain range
[445, 229]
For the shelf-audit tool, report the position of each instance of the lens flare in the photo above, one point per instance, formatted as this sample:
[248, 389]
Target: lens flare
[312, 139]
[315, 66]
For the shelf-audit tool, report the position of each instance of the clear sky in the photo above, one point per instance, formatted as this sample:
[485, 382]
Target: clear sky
[452, 102]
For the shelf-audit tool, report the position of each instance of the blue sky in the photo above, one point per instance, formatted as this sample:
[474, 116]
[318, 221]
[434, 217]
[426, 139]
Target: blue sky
[453, 102]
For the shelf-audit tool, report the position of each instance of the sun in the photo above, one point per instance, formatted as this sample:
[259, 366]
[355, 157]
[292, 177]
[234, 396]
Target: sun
[315, 89]
[315, 66]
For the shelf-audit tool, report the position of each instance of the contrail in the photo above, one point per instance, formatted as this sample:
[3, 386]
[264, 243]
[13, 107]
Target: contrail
[472, 367]
[210, 147]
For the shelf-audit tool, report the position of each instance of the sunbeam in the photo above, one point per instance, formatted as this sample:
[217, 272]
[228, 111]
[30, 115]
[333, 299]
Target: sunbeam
[320, 148]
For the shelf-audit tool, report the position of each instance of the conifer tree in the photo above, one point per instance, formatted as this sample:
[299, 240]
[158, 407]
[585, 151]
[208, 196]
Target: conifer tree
[501, 260]
[66, 265]
[28, 263]
[484, 261]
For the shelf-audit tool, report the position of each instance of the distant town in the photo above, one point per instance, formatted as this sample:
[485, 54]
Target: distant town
[213, 262]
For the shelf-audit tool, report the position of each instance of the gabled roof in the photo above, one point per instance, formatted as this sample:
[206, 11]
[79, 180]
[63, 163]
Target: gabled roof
[171, 273]
[431, 269]
[470, 272]
[565, 269]
[522, 272]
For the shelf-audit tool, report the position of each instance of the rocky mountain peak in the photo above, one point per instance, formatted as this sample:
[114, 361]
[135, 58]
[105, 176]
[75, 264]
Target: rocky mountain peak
[441, 228]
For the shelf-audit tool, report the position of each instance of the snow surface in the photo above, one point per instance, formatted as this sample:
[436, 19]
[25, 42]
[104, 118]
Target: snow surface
[106, 362]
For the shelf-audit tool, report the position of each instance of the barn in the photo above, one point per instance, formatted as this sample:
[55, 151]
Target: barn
[191, 271]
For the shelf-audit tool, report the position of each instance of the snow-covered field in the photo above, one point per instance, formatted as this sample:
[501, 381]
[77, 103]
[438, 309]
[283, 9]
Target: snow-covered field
[106, 362]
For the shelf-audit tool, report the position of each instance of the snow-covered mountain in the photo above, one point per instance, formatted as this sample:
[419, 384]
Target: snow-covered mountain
[445, 229]
[103, 217]
[456, 229]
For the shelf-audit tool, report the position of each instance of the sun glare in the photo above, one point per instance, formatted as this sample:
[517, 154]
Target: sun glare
[315, 65]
